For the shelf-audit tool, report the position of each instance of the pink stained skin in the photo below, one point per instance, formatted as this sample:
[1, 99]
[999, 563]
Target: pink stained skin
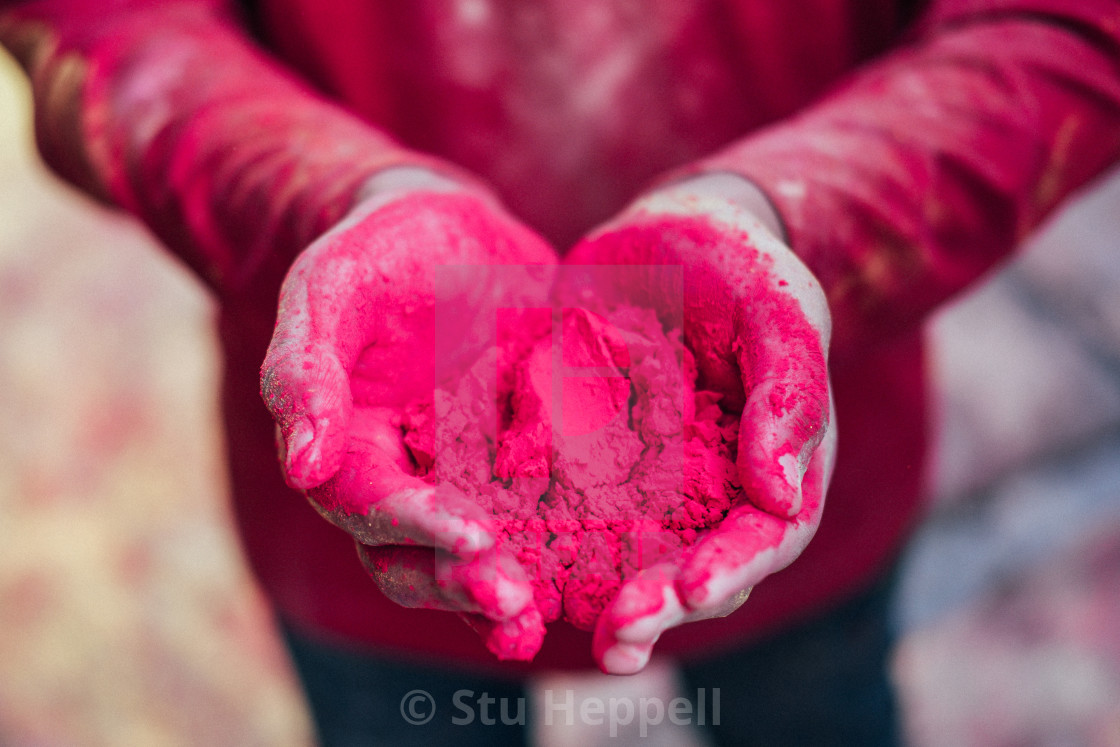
[622, 529]
[751, 340]
[630, 481]
[749, 328]
[354, 342]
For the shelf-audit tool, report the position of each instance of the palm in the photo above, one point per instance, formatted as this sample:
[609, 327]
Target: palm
[360, 336]
[758, 326]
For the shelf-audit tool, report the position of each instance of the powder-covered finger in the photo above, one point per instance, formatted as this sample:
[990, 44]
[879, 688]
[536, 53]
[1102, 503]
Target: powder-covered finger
[406, 575]
[305, 377]
[722, 565]
[377, 500]
[517, 639]
[429, 579]
[417, 514]
[782, 351]
[307, 390]
[750, 544]
[631, 624]
[786, 414]
[492, 584]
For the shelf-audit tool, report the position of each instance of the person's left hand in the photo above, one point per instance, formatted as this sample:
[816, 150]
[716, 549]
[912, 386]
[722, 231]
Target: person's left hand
[758, 325]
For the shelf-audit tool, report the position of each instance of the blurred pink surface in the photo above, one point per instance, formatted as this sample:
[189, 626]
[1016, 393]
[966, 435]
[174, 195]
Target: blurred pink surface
[126, 616]
[1035, 662]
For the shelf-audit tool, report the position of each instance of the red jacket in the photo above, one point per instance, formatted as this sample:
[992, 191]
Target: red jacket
[905, 160]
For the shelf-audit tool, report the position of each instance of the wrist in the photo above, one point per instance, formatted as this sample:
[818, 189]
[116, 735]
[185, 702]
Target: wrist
[401, 180]
[396, 181]
[735, 189]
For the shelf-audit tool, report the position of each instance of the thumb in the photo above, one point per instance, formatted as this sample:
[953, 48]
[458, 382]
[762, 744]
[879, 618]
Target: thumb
[781, 427]
[307, 390]
[305, 379]
[786, 414]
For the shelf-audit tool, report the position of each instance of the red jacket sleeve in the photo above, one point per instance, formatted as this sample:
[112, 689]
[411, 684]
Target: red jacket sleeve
[167, 110]
[926, 167]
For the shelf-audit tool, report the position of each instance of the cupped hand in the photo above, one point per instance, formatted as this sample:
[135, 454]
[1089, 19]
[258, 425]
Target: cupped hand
[355, 342]
[758, 325]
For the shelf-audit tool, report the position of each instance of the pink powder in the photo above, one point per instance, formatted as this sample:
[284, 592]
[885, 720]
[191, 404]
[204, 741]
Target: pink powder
[634, 466]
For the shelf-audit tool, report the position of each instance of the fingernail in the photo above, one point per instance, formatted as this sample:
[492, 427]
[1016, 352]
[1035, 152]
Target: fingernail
[512, 597]
[795, 501]
[625, 659]
[794, 473]
[298, 440]
[791, 469]
[473, 539]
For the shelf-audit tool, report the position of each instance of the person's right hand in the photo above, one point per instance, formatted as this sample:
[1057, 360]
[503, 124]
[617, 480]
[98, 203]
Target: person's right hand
[355, 343]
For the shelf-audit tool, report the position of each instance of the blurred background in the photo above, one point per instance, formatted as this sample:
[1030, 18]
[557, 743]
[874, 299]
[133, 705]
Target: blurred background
[128, 618]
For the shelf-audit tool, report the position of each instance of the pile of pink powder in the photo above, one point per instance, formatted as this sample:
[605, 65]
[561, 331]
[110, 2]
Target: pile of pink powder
[590, 446]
